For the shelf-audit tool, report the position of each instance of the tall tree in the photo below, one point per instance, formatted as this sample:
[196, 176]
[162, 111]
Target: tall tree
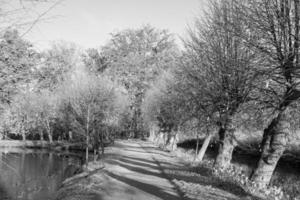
[222, 68]
[136, 57]
[92, 100]
[55, 63]
[273, 30]
[17, 59]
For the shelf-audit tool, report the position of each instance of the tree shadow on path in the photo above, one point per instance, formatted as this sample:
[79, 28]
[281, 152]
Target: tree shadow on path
[151, 189]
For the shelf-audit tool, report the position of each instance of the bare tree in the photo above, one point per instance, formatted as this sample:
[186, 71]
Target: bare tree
[92, 102]
[20, 14]
[273, 30]
[224, 68]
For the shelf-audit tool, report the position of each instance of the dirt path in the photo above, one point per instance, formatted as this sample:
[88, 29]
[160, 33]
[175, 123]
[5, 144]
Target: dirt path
[139, 170]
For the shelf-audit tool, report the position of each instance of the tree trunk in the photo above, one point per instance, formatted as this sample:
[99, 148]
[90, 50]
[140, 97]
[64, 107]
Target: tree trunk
[160, 139]
[226, 147]
[49, 132]
[274, 144]
[70, 135]
[204, 147]
[153, 133]
[41, 134]
[23, 135]
[175, 140]
[197, 147]
[50, 137]
[172, 141]
[102, 144]
[87, 150]
[95, 155]
[87, 136]
[165, 139]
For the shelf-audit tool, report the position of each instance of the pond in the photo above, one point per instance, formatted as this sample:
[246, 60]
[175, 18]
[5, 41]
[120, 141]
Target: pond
[34, 174]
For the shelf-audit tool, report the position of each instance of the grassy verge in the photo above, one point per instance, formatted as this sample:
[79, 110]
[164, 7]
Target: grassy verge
[285, 184]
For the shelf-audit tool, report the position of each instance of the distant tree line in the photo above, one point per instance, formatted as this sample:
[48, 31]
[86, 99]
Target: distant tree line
[238, 71]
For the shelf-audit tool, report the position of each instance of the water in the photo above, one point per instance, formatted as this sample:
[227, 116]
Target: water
[34, 174]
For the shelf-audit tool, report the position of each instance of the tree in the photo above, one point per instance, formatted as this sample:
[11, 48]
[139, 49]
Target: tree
[92, 101]
[17, 59]
[45, 110]
[136, 57]
[201, 111]
[20, 116]
[273, 30]
[222, 69]
[55, 63]
[163, 110]
[95, 61]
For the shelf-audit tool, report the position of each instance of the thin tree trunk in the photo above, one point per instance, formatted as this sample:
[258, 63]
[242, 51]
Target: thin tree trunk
[175, 140]
[87, 136]
[204, 147]
[49, 132]
[158, 137]
[165, 139]
[152, 133]
[95, 155]
[197, 147]
[102, 144]
[70, 135]
[23, 135]
[41, 134]
[274, 144]
[50, 136]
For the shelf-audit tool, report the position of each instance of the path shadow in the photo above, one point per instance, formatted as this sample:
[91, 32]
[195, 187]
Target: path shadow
[197, 175]
[139, 163]
[204, 176]
[148, 161]
[165, 154]
[151, 189]
[138, 169]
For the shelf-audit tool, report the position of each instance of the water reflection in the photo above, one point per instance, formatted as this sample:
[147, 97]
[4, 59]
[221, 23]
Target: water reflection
[34, 175]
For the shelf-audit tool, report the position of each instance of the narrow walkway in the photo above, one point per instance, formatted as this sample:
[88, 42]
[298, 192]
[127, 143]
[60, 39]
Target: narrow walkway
[139, 170]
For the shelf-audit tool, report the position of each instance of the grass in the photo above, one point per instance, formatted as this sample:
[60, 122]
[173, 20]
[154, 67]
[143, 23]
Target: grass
[246, 155]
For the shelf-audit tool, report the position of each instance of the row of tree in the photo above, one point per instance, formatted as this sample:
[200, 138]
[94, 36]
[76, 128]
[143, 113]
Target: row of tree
[239, 70]
[80, 95]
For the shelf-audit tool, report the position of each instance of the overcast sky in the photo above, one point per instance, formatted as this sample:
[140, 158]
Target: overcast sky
[89, 22]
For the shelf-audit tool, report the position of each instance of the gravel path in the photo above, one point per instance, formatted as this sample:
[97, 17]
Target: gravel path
[139, 170]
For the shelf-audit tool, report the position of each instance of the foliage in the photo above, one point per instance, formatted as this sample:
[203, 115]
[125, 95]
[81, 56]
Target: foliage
[95, 61]
[135, 58]
[17, 59]
[55, 62]
[162, 105]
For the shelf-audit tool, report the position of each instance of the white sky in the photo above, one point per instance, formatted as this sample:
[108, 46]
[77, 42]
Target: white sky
[89, 22]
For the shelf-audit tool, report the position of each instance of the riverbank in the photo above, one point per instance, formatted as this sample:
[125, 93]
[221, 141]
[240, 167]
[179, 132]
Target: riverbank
[38, 144]
[55, 145]
[135, 169]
